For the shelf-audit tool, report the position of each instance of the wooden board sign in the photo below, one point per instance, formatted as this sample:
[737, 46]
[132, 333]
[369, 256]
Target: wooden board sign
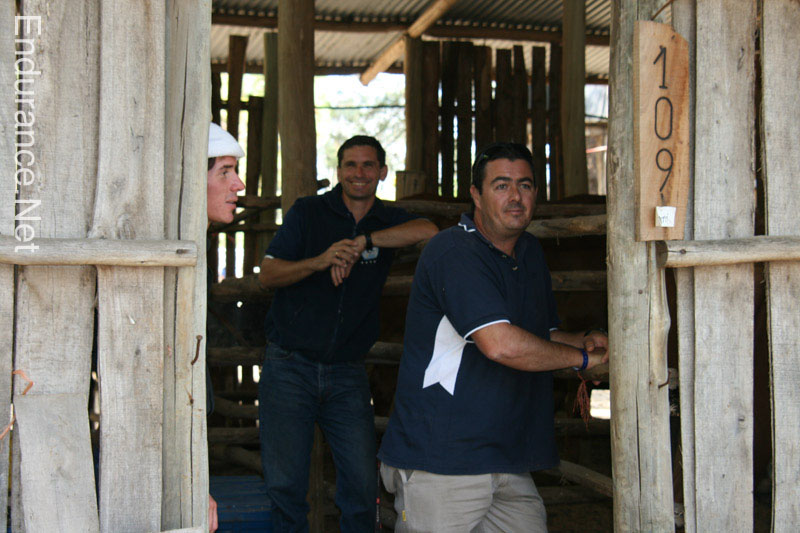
[661, 131]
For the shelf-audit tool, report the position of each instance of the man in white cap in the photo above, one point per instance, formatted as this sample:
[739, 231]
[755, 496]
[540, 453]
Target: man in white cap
[223, 185]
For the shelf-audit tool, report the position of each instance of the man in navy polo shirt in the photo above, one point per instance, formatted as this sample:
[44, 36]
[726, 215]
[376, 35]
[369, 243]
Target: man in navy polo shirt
[473, 412]
[328, 262]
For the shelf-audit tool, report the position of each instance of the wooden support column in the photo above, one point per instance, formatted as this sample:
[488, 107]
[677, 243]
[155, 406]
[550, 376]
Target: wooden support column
[412, 68]
[237, 48]
[781, 124]
[54, 305]
[554, 137]
[430, 116]
[503, 94]
[725, 117]
[7, 212]
[216, 99]
[449, 77]
[464, 114]
[573, 113]
[269, 136]
[640, 411]
[254, 129]
[538, 109]
[519, 91]
[185, 454]
[130, 339]
[296, 100]
[482, 68]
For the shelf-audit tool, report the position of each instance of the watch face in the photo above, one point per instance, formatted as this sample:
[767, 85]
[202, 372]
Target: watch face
[371, 254]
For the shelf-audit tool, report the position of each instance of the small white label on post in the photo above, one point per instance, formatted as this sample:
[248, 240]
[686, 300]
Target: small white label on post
[665, 216]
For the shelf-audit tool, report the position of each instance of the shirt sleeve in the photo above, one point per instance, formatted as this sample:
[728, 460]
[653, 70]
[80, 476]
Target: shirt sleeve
[289, 242]
[468, 291]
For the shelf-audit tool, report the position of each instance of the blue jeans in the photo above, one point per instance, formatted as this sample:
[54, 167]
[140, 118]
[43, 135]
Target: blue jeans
[294, 393]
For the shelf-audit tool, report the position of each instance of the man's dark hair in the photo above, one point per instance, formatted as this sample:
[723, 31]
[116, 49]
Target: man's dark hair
[363, 140]
[211, 162]
[499, 150]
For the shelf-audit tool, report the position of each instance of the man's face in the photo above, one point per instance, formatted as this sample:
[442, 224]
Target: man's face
[360, 172]
[223, 184]
[505, 207]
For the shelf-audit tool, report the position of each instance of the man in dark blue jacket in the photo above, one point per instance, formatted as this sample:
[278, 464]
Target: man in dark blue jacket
[328, 263]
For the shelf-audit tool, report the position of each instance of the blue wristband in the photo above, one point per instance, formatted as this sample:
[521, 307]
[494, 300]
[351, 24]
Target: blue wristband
[585, 361]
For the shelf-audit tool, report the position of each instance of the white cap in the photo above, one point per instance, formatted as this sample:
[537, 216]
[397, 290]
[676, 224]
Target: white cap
[222, 143]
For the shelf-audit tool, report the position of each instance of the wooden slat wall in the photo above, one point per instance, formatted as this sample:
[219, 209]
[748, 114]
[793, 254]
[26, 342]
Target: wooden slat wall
[54, 304]
[7, 196]
[503, 96]
[482, 69]
[185, 457]
[255, 117]
[130, 341]
[781, 129]
[554, 136]
[237, 48]
[412, 68]
[573, 122]
[519, 91]
[269, 136]
[538, 109]
[724, 208]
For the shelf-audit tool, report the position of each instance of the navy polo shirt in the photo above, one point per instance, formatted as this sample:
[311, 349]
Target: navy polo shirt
[456, 411]
[323, 322]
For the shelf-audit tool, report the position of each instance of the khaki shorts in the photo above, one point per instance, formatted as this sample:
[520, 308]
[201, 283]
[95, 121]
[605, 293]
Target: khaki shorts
[426, 502]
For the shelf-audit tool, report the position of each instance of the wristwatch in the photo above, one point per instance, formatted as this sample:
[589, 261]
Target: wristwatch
[368, 238]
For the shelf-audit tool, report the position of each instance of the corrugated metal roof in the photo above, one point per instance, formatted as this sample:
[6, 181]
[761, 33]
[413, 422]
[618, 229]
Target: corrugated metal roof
[340, 49]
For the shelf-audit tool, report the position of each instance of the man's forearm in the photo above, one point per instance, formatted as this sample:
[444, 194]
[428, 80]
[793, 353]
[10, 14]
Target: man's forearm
[276, 273]
[404, 234]
[564, 337]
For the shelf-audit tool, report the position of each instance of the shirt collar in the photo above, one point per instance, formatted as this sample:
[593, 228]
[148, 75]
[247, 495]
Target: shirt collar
[333, 199]
[467, 223]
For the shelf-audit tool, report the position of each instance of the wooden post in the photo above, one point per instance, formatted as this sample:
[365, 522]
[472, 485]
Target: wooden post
[430, 116]
[482, 69]
[269, 135]
[640, 412]
[554, 137]
[237, 49]
[725, 117]
[412, 68]
[519, 91]
[780, 125]
[7, 212]
[464, 114]
[254, 128]
[216, 99]
[573, 121]
[185, 456]
[54, 305]
[449, 73]
[130, 340]
[296, 100]
[539, 121]
[504, 108]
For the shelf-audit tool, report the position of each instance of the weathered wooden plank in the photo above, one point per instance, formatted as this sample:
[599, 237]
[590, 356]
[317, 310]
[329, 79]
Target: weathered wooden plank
[254, 116]
[296, 100]
[412, 69]
[130, 340]
[674, 254]
[7, 197]
[216, 98]
[430, 116]
[448, 111]
[482, 68]
[57, 471]
[519, 97]
[684, 17]
[503, 95]
[724, 207]
[237, 46]
[538, 109]
[780, 125]
[269, 134]
[54, 313]
[554, 133]
[573, 122]
[640, 416]
[184, 457]
[99, 252]
[464, 116]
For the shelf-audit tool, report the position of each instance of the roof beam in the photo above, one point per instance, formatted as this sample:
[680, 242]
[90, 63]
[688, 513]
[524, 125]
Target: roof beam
[393, 52]
[442, 31]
